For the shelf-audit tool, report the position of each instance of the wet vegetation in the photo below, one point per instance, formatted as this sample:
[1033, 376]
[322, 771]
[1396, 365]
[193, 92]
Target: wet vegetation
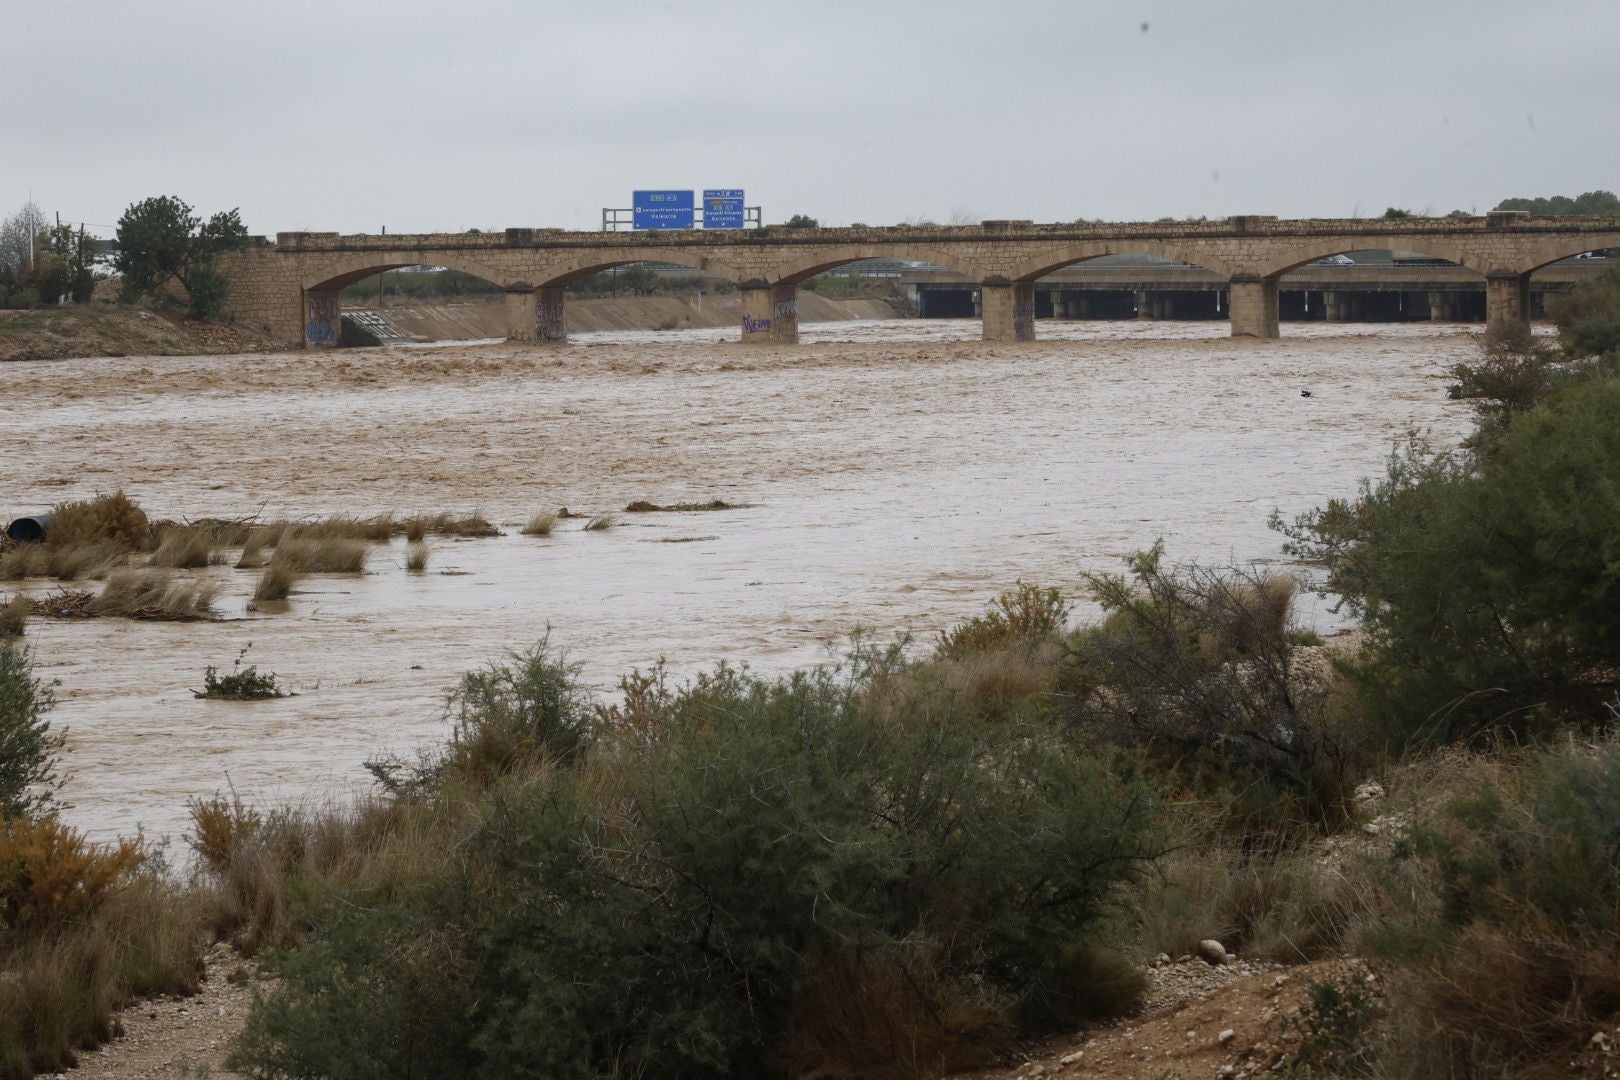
[241, 683]
[109, 538]
[641, 506]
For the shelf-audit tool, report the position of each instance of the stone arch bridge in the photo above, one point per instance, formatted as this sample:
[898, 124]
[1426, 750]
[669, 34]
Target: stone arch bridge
[292, 288]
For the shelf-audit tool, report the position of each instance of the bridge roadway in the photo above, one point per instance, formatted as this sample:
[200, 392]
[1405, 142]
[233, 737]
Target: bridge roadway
[292, 288]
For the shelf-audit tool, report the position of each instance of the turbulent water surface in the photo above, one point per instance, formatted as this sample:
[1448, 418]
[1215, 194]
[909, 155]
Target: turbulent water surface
[897, 475]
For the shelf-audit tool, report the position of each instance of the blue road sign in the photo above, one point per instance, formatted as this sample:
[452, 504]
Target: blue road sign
[662, 209]
[722, 208]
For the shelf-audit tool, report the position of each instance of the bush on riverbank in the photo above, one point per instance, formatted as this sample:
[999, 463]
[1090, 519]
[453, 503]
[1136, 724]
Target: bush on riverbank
[709, 874]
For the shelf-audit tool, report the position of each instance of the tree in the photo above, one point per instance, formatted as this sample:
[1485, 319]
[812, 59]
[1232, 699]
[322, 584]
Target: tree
[160, 239]
[78, 258]
[1590, 204]
[1395, 213]
[801, 221]
[28, 748]
[18, 235]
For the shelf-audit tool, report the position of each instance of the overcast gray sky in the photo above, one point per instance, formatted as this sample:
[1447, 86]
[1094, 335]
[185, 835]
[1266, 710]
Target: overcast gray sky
[447, 115]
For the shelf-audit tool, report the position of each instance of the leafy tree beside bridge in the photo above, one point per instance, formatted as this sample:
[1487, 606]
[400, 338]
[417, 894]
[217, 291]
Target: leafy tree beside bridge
[161, 240]
[1591, 204]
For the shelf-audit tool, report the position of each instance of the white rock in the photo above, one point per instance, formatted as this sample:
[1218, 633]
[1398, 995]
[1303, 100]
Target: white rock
[1212, 951]
[1226, 1036]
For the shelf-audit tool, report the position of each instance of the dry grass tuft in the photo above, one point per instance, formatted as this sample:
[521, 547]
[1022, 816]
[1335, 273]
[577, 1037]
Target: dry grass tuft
[76, 561]
[183, 548]
[309, 555]
[154, 594]
[271, 871]
[14, 616]
[600, 522]
[642, 506]
[1284, 906]
[416, 559]
[25, 561]
[376, 530]
[105, 519]
[473, 525]
[277, 581]
[540, 524]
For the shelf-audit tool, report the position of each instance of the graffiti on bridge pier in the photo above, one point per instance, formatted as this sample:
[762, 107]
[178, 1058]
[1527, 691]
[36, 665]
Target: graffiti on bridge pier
[1024, 321]
[548, 323]
[323, 317]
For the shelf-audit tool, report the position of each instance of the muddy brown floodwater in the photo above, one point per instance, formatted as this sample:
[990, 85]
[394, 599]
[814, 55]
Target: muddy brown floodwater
[898, 475]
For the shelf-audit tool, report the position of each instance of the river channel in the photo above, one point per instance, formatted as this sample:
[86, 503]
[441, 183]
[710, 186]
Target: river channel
[896, 476]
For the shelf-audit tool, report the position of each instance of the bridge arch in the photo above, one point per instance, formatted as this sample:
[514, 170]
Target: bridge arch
[1310, 251]
[1053, 260]
[577, 269]
[345, 272]
[1555, 250]
[821, 259]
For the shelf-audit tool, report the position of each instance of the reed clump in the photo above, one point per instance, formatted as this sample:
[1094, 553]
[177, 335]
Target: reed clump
[14, 616]
[601, 522]
[540, 524]
[277, 581]
[467, 526]
[313, 555]
[183, 548]
[416, 559]
[154, 594]
[24, 561]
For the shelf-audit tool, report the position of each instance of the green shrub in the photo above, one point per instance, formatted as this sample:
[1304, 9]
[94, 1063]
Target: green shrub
[697, 885]
[505, 718]
[28, 747]
[1489, 592]
[1027, 615]
[242, 684]
[1199, 668]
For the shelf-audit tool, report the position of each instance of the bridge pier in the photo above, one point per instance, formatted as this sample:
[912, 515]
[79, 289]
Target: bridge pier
[537, 315]
[770, 314]
[1507, 296]
[1009, 309]
[1254, 306]
[323, 318]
